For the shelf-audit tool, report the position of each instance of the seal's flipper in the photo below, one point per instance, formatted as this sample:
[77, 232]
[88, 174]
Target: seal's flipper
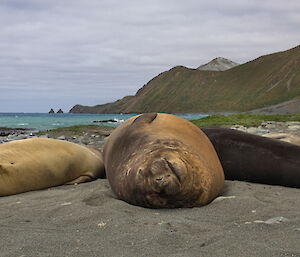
[145, 118]
[81, 179]
[253, 158]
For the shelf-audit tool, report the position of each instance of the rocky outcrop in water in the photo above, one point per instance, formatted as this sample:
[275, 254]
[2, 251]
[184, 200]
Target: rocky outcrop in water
[104, 121]
[51, 111]
[60, 111]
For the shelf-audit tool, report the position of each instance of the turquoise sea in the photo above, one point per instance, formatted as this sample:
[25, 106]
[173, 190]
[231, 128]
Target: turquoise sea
[44, 121]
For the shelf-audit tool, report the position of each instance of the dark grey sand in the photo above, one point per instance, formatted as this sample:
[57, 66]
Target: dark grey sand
[87, 220]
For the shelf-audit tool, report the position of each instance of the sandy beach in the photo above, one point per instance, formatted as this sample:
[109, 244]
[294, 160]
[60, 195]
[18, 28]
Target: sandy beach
[87, 220]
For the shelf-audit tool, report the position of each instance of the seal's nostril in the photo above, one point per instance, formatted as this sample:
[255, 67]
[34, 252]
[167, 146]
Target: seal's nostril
[174, 169]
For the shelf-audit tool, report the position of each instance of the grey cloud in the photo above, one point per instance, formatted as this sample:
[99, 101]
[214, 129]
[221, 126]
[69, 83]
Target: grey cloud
[92, 52]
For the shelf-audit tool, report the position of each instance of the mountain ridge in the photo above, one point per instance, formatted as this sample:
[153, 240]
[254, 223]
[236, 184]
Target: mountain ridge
[265, 81]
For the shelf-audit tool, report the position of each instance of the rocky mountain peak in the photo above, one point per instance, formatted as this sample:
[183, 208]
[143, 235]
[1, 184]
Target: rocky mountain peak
[218, 64]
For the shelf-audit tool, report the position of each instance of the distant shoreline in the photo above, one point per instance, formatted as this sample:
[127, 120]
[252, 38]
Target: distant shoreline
[47, 121]
[92, 134]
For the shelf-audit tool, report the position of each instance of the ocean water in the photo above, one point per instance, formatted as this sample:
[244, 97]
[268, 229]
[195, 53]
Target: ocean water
[44, 121]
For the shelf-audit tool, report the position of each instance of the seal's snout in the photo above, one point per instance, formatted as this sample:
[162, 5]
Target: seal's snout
[166, 177]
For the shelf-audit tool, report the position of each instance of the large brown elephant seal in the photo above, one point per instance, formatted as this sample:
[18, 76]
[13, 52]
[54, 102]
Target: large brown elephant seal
[39, 163]
[162, 161]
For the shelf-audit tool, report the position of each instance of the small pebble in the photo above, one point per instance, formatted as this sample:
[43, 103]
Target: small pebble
[102, 224]
[276, 220]
[66, 203]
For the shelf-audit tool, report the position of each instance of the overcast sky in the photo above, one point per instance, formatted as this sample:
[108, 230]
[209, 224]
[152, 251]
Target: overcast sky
[58, 53]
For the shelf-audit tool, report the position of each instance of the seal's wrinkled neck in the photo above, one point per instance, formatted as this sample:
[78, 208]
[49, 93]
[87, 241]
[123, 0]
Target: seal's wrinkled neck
[99, 155]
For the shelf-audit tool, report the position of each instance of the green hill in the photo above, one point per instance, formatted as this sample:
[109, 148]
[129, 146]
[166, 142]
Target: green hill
[265, 81]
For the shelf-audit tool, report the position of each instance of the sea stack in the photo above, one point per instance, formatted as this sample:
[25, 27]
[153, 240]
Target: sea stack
[51, 111]
[60, 111]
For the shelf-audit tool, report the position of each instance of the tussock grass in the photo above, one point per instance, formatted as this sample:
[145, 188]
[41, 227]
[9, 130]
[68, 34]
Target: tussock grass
[247, 120]
[79, 129]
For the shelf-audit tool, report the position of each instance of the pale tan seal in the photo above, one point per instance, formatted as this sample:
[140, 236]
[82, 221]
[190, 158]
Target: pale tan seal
[162, 161]
[39, 163]
[290, 138]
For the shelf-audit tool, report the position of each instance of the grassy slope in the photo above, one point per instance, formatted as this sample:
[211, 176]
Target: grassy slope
[256, 84]
[265, 81]
[174, 91]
